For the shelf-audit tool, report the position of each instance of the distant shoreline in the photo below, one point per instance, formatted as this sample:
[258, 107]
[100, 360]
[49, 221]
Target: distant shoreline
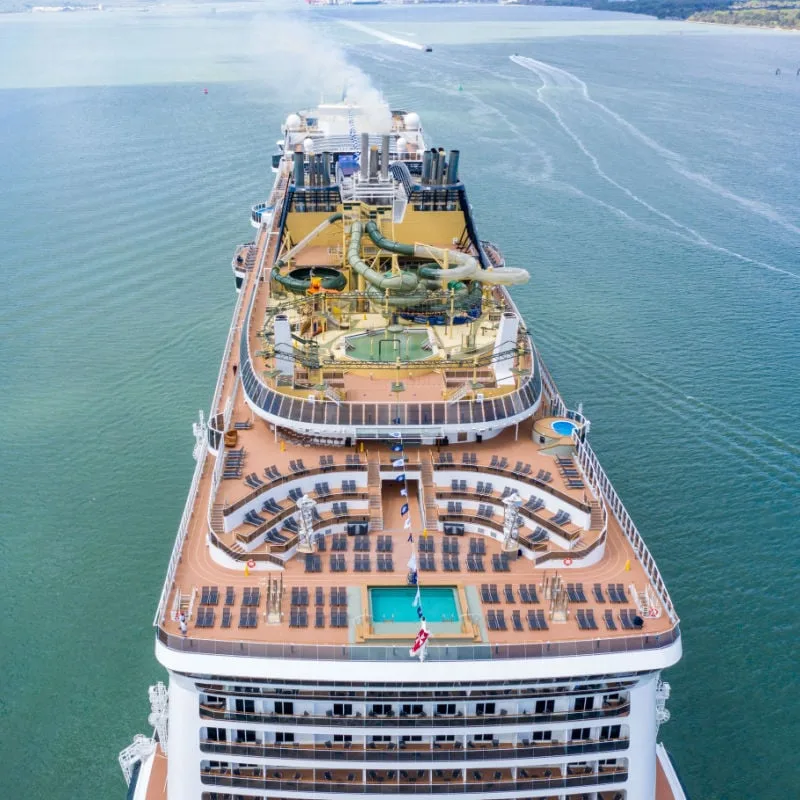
[743, 25]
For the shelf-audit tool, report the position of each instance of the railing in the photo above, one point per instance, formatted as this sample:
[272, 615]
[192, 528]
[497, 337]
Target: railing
[431, 417]
[379, 754]
[456, 787]
[596, 474]
[591, 467]
[531, 480]
[290, 478]
[476, 652]
[416, 721]
[183, 529]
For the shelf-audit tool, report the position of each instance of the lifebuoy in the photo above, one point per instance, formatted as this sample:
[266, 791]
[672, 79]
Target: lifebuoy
[653, 612]
[251, 564]
[567, 562]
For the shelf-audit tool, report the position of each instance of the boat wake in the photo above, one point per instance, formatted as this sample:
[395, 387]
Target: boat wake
[387, 37]
[553, 78]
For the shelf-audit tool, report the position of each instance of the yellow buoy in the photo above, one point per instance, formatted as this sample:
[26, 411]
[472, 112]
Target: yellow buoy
[283, 446]
[246, 571]
[628, 565]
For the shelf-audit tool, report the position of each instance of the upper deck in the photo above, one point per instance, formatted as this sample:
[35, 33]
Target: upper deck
[344, 345]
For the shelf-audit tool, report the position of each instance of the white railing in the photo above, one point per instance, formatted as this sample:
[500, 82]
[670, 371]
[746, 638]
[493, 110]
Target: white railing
[183, 529]
[591, 466]
[598, 478]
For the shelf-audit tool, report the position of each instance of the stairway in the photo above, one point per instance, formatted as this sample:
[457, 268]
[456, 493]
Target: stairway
[217, 523]
[431, 512]
[374, 489]
[597, 516]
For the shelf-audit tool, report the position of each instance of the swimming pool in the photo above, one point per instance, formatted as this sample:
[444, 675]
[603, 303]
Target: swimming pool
[394, 604]
[387, 346]
[563, 427]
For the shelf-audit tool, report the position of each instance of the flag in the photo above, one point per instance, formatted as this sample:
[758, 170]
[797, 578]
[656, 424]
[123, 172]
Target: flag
[395, 435]
[412, 577]
[419, 612]
[419, 642]
[404, 509]
[412, 562]
[404, 492]
[410, 537]
[401, 478]
[398, 462]
[417, 600]
[396, 447]
[407, 523]
[354, 143]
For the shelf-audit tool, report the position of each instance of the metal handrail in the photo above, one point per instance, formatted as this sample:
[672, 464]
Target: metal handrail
[474, 652]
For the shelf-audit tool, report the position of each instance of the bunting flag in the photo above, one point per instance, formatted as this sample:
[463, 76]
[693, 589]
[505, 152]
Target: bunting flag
[404, 509]
[404, 492]
[398, 462]
[410, 537]
[396, 447]
[401, 478]
[395, 435]
[412, 577]
[407, 526]
[417, 599]
[419, 612]
[412, 562]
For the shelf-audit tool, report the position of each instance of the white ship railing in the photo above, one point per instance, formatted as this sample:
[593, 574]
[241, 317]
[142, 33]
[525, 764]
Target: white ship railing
[597, 476]
[183, 529]
[591, 466]
[636, 643]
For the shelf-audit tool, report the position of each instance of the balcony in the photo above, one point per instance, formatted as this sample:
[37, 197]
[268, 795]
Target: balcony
[458, 781]
[412, 752]
[482, 721]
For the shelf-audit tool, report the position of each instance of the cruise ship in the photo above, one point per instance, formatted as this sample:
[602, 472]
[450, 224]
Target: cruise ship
[401, 568]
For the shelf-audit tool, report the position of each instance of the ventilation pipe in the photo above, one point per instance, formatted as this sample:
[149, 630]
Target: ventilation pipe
[364, 156]
[440, 166]
[427, 167]
[385, 158]
[452, 168]
[373, 163]
[434, 164]
[326, 169]
[299, 173]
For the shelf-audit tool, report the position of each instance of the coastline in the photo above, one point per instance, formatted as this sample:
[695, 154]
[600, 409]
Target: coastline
[776, 28]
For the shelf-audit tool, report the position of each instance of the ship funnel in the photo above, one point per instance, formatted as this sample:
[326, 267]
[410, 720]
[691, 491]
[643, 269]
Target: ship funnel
[427, 167]
[434, 164]
[364, 156]
[299, 174]
[326, 169]
[440, 166]
[385, 158]
[373, 163]
[452, 168]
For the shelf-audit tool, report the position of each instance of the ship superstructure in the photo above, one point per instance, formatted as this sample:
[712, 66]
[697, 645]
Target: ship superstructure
[401, 568]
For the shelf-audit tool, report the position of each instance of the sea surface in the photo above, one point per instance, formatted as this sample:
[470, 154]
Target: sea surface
[645, 173]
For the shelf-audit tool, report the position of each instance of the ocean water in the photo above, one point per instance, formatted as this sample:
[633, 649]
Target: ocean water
[644, 172]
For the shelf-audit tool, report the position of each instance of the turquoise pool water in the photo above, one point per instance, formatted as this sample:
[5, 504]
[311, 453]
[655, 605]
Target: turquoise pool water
[394, 604]
[563, 428]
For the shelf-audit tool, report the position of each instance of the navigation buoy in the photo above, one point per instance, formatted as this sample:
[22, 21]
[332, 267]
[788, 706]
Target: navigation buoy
[460, 88]
[205, 91]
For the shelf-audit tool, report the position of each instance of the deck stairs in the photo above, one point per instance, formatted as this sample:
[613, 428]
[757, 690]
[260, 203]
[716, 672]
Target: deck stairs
[431, 511]
[597, 516]
[374, 490]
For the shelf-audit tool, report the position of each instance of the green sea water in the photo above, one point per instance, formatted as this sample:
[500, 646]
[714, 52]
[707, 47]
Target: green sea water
[644, 172]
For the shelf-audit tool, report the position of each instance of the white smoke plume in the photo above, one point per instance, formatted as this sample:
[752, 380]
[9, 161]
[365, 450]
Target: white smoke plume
[301, 61]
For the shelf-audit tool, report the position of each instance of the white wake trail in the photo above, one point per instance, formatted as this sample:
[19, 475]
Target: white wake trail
[553, 77]
[387, 37]
[569, 80]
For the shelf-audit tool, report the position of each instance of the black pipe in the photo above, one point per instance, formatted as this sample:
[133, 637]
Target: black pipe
[427, 166]
[299, 172]
[452, 168]
[326, 169]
